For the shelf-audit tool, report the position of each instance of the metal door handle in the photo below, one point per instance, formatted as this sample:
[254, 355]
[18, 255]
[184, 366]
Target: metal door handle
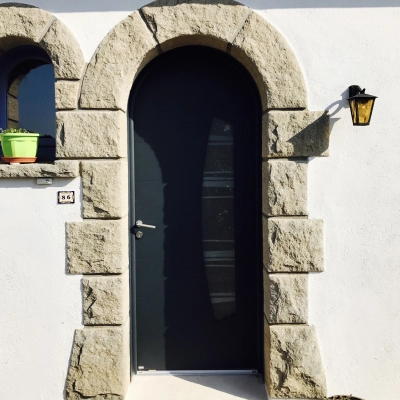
[140, 224]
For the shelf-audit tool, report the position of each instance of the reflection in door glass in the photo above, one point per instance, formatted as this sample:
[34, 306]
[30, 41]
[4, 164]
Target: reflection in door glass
[218, 220]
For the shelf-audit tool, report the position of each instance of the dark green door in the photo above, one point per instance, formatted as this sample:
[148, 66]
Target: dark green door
[195, 174]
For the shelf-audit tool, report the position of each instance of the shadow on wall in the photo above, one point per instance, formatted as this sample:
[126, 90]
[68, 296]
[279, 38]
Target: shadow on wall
[129, 5]
[336, 106]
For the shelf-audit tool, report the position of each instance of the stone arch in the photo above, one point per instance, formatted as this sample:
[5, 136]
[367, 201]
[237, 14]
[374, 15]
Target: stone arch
[98, 246]
[167, 24]
[22, 24]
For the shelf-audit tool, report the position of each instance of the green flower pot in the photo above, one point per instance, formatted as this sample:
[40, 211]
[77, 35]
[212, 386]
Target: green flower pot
[19, 147]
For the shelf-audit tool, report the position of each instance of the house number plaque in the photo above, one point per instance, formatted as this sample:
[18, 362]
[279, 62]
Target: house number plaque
[66, 197]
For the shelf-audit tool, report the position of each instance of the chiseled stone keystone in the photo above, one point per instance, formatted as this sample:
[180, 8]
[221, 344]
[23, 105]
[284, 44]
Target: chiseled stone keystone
[91, 134]
[295, 134]
[284, 187]
[99, 367]
[272, 63]
[60, 169]
[105, 188]
[286, 298]
[293, 362]
[64, 51]
[21, 24]
[97, 247]
[119, 58]
[66, 95]
[196, 22]
[293, 245]
[106, 299]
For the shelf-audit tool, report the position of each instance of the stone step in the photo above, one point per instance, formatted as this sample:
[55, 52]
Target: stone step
[195, 387]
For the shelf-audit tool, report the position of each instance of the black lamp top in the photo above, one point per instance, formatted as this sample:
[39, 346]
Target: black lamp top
[355, 92]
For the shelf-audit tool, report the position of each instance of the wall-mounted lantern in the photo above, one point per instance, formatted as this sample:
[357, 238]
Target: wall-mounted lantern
[361, 105]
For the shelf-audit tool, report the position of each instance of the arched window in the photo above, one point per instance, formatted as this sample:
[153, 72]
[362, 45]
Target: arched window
[27, 97]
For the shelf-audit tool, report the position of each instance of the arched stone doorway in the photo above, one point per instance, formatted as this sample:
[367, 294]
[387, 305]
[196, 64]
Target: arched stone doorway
[97, 134]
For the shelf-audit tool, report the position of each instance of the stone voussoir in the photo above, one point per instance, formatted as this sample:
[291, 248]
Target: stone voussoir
[293, 362]
[66, 95]
[295, 134]
[97, 247]
[285, 187]
[119, 58]
[272, 63]
[105, 299]
[197, 22]
[21, 24]
[105, 188]
[286, 298]
[293, 245]
[91, 134]
[64, 51]
[99, 367]
[60, 169]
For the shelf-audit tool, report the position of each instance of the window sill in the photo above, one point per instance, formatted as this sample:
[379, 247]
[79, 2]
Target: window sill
[58, 169]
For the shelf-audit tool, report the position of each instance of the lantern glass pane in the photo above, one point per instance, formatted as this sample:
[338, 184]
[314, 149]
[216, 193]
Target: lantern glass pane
[364, 107]
[353, 111]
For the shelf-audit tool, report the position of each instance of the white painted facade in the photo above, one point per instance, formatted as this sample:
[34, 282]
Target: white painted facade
[40, 304]
[355, 303]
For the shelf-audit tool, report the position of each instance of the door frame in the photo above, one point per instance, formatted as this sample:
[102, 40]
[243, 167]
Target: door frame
[131, 199]
[102, 91]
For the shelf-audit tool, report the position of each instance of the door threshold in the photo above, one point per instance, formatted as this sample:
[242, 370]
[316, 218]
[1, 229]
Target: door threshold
[201, 372]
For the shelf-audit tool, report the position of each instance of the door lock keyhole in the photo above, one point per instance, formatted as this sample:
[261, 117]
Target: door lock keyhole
[139, 234]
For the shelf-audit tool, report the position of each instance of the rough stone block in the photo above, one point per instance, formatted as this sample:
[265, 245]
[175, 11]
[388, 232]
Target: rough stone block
[271, 61]
[106, 299]
[91, 134]
[286, 298]
[293, 245]
[13, 89]
[21, 24]
[60, 169]
[66, 95]
[284, 187]
[64, 51]
[97, 247]
[12, 108]
[295, 134]
[196, 22]
[99, 367]
[119, 58]
[293, 362]
[105, 188]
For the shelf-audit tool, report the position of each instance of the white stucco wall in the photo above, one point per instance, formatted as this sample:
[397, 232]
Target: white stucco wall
[355, 303]
[40, 304]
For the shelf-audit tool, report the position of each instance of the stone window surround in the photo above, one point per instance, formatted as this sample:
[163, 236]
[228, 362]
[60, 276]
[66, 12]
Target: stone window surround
[91, 143]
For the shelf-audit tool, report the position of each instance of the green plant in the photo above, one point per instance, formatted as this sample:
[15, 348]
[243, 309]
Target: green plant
[13, 130]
